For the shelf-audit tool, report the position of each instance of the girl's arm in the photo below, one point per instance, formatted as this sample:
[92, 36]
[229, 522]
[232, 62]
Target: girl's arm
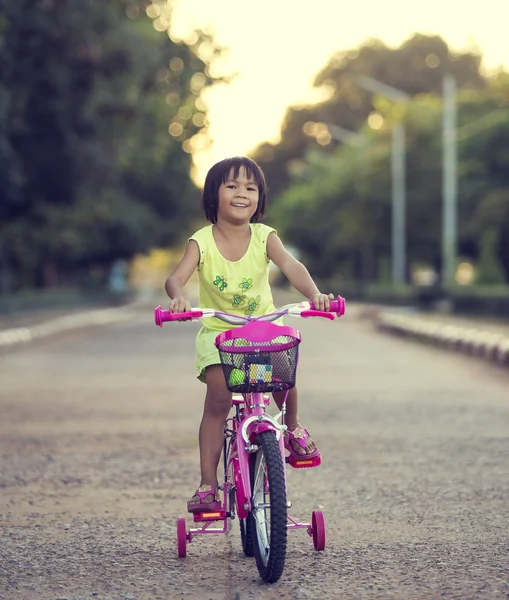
[176, 282]
[296, 273]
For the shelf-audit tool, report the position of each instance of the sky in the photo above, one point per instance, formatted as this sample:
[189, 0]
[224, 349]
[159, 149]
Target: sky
[276, 47]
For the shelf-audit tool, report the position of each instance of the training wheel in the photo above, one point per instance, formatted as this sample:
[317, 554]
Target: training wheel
[181, 537]
[318, 526]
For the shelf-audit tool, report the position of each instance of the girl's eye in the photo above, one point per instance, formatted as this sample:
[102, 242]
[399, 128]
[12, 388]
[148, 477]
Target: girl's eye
[251, 189]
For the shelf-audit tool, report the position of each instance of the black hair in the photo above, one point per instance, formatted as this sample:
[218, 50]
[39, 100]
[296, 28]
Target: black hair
[219, 174]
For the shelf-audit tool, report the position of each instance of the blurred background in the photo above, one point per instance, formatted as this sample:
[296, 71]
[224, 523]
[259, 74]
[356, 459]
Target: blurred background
[383, 132]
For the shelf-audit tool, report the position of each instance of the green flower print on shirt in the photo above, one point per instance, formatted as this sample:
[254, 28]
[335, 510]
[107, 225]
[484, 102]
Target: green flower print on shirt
[252, 305]
[246, 284]
[220, 281]
[238, 300]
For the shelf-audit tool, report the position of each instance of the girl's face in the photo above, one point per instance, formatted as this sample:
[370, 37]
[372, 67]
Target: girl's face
[238, 197]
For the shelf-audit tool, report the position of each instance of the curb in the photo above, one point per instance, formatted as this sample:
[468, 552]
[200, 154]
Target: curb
[19, 335]
[472, 341]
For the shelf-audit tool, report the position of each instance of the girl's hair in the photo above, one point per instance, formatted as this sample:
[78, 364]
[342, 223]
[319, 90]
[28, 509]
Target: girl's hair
[219, 173]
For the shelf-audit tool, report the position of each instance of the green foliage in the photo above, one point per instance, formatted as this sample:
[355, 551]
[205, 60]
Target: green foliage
[416, 67]
[488, 301]
[384, 271]
[489, 269]
[90, 173]
[88, 169]
[337, 208]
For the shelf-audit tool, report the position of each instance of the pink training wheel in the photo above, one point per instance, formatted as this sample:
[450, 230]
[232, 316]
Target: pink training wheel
[181, 537]
[318, 526]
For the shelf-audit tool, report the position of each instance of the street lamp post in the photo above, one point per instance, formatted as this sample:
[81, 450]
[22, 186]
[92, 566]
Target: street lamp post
[451, 135]
[449, 176]
[344, 135]
[398, 238]
[398, 170]
[449, 181]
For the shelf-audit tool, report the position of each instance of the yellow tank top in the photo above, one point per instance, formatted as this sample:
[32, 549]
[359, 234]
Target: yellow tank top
[237, 287]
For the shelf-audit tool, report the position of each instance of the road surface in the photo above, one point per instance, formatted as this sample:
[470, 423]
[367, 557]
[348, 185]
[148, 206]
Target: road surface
[98, 430]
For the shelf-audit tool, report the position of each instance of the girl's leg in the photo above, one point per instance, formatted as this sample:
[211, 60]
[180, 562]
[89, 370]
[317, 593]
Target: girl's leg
[218, 402]
[292, 418]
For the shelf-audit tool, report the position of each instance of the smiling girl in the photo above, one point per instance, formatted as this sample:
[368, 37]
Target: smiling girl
[232, 256]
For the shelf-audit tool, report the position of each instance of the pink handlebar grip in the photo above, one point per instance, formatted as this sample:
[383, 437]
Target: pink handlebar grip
[317, 313]
[161, 316]
[336, 306]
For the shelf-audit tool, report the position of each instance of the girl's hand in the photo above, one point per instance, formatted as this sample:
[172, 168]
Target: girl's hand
[179, 304]
[321, 301]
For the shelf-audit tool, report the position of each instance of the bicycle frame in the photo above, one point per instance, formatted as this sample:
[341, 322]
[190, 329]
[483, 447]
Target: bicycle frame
[250, 419]
[255, 421]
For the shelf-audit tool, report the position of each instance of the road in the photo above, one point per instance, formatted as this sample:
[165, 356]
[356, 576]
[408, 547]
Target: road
[98, 453]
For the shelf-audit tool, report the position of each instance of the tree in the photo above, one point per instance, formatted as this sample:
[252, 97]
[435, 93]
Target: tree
[98, 113]
[337, 209]
[490, 271]
[483, 175]
[416, 67]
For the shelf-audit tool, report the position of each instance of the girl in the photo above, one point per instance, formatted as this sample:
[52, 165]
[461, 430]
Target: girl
[232, 255]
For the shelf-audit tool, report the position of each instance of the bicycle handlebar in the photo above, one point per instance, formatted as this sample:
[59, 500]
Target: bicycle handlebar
[317, 313]
[336, 306]
[301, 309]
[161, 316]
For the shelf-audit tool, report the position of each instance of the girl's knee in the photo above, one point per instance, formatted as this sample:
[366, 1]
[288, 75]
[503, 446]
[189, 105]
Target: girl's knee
[218, 404]
[218, 400]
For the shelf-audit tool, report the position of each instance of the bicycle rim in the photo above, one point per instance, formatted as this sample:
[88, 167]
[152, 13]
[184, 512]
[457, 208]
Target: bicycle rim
[268, 515]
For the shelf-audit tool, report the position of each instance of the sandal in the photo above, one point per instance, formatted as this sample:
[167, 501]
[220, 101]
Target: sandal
[202, 492]
[299, 435]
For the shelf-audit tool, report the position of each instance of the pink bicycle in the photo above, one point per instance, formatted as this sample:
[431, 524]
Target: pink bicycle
[258, 357]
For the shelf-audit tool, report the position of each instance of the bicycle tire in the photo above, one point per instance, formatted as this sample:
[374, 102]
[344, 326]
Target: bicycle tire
[247, 536]
[318, 525]
[269, 522]
[181, 537]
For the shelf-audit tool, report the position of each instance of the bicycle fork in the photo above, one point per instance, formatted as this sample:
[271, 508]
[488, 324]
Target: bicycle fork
[256, 422]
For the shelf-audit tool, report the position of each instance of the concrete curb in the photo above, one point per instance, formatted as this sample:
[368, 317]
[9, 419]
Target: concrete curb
[484, 344]
[18, 335]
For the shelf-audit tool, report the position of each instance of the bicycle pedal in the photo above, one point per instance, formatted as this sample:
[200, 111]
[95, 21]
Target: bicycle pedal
[217, 515]
[304, 463]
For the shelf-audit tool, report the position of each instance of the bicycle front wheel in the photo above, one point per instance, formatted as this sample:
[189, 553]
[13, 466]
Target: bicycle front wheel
[268, 513]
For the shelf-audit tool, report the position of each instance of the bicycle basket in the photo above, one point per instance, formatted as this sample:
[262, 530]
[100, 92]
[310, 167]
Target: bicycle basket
[259, 366]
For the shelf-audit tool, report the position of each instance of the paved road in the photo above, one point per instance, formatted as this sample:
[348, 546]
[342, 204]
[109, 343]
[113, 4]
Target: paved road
[98, 455]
